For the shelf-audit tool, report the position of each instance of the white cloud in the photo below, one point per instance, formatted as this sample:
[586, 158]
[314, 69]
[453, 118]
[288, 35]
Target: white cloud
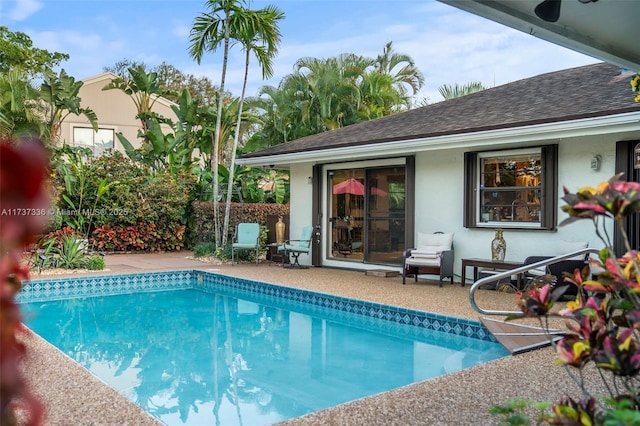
[449, 46]
[24, 9]
[180, 30]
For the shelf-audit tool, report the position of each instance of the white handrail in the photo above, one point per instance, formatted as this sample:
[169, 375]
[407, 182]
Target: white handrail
[515, 271]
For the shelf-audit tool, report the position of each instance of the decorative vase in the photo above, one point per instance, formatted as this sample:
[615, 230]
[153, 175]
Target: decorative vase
[280, 230]
[498, 247]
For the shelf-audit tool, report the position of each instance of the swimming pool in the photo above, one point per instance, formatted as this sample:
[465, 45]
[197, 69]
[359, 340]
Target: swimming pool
[193, 347]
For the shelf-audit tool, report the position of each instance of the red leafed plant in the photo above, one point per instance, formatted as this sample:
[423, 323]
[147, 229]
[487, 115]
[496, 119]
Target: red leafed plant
[603, 322]
[24, 203]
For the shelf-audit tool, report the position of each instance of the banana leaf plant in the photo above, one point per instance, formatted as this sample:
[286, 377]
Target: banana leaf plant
[60, 92]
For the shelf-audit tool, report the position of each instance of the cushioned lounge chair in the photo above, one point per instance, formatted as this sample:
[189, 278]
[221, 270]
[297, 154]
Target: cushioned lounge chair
[433, 255]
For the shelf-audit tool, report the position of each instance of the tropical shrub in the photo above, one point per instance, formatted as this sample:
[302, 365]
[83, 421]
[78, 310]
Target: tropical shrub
[79, 200]
[71, 254]
[56, 237]
[95, 263]
[140, 209]
[139, 237]
[42, 258]
[204, 249]
[603, 321]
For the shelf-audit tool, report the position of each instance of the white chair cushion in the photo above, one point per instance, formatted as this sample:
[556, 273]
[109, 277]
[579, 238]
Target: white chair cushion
[434, 242]
[427, 252]
[423, 261]
[565, 247]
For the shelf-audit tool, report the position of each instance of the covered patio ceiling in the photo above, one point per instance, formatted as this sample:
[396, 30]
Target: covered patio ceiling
[605, 29]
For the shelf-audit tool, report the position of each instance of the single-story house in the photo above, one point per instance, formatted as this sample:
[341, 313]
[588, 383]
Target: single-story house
[116, 113]
[495, 159]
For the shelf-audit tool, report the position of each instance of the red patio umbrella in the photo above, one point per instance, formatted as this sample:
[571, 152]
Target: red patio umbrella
[354, 187]
[349, 186]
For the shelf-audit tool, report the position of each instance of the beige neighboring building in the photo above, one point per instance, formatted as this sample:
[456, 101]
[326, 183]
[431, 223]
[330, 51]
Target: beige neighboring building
[116, 113]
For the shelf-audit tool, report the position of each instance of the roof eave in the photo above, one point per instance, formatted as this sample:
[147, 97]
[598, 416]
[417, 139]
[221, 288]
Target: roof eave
[619, 123]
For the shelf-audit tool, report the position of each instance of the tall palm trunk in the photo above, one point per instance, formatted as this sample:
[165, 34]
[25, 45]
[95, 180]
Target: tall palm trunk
[216, 142]
[236, 137]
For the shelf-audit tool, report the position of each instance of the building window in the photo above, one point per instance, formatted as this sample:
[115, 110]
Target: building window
[97, 142]
[511, 189]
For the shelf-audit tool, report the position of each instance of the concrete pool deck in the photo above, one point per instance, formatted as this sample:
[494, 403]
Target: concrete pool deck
[75, 397]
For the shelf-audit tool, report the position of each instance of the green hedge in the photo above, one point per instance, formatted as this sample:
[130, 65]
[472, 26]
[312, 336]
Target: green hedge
[202, 229]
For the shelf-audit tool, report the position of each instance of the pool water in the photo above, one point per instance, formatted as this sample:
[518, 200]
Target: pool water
[230, 358]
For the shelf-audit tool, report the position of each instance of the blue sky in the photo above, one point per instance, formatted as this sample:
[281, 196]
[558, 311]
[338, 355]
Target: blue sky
[448, 45]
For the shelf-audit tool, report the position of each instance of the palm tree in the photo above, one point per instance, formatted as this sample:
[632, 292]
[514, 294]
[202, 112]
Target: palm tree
[274, 102]
[259, 35]
[324, 94]
[456, 91]
[407, 75]
[332, 85]
[379, 96]
[208, 31]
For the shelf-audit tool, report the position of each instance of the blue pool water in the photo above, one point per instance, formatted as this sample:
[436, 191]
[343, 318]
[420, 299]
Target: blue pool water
[202, 352]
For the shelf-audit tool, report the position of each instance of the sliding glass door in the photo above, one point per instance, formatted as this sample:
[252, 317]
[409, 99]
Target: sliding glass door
[367, 214]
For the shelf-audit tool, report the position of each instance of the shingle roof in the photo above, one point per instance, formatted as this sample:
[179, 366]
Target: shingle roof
[583, 92]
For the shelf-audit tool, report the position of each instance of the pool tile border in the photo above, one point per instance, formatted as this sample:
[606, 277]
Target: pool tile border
[101, 285]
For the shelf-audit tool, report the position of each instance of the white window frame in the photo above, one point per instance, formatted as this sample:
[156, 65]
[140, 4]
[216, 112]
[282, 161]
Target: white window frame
[93, 146]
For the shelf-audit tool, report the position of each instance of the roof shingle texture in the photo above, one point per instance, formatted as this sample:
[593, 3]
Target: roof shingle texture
[589, 91]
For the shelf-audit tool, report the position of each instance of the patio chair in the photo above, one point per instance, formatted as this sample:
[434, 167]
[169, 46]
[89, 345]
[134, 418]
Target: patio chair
[247, 238]
[433, 256]
[554, 272]
[294, 248]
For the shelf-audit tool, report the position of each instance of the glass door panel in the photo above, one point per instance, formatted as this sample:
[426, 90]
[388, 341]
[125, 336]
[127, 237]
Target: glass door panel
[346, 219]
[385, 216]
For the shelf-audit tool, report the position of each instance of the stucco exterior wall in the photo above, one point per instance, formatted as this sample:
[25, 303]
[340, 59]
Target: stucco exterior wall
[439, 202]
[114, 109]
[301, 212]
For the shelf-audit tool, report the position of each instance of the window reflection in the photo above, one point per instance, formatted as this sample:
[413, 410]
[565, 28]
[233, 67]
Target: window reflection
[97, 142]
[510, 188]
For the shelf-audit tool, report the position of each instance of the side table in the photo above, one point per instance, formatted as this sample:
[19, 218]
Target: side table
[274, 255]
[488, 263]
